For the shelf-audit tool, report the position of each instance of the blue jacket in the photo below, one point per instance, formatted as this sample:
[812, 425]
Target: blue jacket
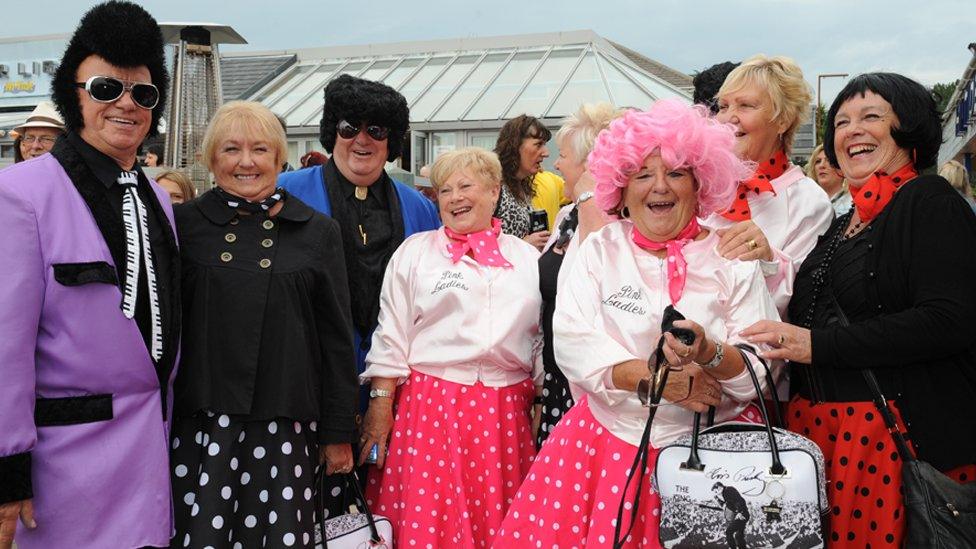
[419, 214]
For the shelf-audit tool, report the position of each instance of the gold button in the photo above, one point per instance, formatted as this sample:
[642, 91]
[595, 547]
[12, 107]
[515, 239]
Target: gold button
[268, 224]
[265, 263]
[267, 242]
[230, 237]
[225, 257]
[235, 221]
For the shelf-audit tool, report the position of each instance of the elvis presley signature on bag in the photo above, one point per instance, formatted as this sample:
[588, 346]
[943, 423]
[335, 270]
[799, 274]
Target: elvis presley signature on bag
[449, 279]
[748, 480]
[627, 299]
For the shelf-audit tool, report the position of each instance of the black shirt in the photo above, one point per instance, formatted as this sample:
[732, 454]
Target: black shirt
[107, 171]
[915, 326]
[268, 330]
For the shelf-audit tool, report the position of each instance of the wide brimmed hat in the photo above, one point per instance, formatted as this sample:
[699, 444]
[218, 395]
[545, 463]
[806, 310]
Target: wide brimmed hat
[43, 116]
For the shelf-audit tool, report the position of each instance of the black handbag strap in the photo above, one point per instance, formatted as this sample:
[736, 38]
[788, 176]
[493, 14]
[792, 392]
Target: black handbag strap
[351, 481]
[880, 402]
[638, 468]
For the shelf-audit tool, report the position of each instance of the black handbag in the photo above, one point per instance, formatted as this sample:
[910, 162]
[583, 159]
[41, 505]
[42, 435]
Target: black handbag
[940, 513]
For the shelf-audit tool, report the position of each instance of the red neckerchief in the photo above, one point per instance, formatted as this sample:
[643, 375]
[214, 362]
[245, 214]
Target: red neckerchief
[483, 245]
[677, 266]
[872, 197]
[760, 182]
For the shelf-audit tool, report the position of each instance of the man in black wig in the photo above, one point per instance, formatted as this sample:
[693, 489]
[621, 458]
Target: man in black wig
[363, 127]
[709, 81]
[89, 306]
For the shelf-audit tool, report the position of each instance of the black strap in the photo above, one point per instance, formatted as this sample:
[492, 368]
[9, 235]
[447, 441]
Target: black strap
[639, 467]
[877, 396]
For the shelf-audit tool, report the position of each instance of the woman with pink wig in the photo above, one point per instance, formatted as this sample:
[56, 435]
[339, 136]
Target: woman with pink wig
[659, 170]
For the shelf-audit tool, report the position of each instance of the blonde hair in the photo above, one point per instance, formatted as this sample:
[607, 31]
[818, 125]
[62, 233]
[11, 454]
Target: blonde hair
[244, 118]
[812, 163]
[181, 180]
[579, 130]
[482, 164]
[783, 82]
[955, 173]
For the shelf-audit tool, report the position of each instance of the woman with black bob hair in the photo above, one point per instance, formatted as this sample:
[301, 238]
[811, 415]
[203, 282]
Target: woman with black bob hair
[521, 148]
[885, 289]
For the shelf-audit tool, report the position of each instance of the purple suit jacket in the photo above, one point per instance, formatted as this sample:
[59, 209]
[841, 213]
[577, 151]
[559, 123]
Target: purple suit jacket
[101, 483]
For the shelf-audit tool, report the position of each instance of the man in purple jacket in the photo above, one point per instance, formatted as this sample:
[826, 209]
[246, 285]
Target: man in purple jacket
[89, 306]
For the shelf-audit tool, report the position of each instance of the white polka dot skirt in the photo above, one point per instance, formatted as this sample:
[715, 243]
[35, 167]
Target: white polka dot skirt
[571, 496]
[243, 484]
[456, 458]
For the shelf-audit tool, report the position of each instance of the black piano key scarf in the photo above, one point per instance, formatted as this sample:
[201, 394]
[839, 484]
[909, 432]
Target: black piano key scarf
[138, 253]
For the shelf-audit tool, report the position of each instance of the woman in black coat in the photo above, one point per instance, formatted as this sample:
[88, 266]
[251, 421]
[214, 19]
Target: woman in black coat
[898, 267]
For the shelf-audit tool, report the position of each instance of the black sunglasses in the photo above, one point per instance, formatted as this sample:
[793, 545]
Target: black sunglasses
[349, 131]
[105, 89]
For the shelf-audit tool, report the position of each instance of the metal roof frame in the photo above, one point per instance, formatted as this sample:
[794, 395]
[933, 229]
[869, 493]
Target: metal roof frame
[528, 79]
[569, 76]
[461, 81]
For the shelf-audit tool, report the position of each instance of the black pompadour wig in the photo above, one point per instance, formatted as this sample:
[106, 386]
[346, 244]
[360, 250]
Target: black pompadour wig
[709, 81]
[356, 100]
[919, 128]
[125, 35]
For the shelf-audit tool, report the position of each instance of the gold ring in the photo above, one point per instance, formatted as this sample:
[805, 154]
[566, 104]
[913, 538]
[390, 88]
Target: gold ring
[752, 244]
[687, 353]
[782, 339]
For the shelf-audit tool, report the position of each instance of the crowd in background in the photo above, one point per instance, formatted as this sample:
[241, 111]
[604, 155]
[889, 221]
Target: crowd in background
[473, 350]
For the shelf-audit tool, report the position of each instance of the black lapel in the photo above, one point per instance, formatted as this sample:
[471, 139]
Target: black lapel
[95, 196]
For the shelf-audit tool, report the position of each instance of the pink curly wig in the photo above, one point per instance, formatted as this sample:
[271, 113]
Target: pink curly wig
[686, 138]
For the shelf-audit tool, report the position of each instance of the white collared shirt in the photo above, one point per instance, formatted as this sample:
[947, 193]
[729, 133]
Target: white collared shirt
[462, 321]
[609, 311]
[792, 220]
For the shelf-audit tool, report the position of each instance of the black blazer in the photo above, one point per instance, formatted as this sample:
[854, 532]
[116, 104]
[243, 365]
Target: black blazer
[267, 322]
[920, 337]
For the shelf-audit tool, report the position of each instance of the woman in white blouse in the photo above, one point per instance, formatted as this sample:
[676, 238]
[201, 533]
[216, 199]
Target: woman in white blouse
[454, 366]
[777, 212]
[659, 170]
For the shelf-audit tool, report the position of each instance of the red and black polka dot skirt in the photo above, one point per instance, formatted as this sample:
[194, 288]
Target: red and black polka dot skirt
[863, 470]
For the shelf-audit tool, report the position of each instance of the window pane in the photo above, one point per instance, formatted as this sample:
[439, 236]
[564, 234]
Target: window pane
[274, 92]
[441, 142]
[545, 84]
[312, 106]
[493, 103]
[462, 98]
[378, 69]
[316, 81]
[402, 71]
[585, 86]
[417, 84]
[484, 140]
[659, 90]
[442, 87]
[625, 92]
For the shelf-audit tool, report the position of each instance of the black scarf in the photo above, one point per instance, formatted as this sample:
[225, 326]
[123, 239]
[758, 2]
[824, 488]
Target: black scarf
[364, 286]
[235, 202]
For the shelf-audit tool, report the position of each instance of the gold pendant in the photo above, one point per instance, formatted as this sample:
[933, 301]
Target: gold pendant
[362, 233]
[361, 193]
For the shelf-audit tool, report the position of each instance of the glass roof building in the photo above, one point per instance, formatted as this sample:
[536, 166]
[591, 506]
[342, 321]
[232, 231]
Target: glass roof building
[460, 91]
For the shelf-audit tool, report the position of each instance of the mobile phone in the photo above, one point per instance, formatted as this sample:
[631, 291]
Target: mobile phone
[684, 335]
[538, 221]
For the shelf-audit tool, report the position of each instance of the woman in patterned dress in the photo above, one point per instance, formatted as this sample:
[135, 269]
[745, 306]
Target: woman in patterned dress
[521, 148]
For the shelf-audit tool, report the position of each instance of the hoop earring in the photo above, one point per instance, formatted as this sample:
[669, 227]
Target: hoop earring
[624, 212]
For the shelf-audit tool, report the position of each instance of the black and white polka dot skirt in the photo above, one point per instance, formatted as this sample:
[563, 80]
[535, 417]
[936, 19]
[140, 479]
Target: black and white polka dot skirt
[243, 484]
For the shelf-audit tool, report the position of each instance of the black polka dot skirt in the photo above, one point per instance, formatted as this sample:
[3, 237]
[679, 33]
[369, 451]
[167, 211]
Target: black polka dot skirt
[556, 401]
[863, 470]
[243, 484]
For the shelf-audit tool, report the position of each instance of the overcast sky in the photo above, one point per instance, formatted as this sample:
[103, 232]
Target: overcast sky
[924, 39]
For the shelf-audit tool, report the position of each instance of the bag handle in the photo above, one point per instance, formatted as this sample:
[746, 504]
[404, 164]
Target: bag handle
[351, 479]
[880, 402]
[694, 461]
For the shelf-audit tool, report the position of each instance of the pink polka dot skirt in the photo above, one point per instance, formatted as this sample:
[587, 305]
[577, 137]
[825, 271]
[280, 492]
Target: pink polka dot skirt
[457, 456]
[571, 496]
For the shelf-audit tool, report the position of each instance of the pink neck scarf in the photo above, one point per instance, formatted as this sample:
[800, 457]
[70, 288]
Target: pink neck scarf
[677, 266]
[482, 244]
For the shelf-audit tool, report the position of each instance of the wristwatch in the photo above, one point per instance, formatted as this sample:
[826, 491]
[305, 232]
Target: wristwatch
[716, 360]
[373, 393]
[584, 197]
